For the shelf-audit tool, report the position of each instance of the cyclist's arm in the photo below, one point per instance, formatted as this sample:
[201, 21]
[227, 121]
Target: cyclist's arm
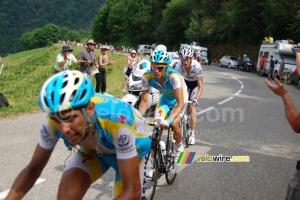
[179, 105]
[27, 177]
[298, 62]
[144, 95]
[144, 101]
[129, 172]
[200, 86]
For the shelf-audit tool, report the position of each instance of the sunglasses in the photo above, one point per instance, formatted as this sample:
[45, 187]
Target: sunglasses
[157, 67]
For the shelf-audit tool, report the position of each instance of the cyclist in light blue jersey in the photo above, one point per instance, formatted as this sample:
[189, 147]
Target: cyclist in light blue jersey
[173, 93]
[104, 132]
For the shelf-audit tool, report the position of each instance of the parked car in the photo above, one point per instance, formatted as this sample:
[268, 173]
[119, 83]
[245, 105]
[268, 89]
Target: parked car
[144, 47]
[295, 77]
[228, 61]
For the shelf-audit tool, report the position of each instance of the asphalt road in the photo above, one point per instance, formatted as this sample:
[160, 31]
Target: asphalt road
[237, 116]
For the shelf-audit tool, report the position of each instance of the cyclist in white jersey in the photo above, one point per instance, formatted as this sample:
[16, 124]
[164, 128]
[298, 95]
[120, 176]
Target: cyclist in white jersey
[191, 70]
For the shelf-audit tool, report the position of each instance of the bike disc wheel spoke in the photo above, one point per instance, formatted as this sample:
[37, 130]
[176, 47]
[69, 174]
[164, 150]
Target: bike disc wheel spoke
[151, 183]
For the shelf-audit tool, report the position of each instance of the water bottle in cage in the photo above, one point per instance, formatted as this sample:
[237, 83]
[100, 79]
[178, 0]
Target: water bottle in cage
[162, 147]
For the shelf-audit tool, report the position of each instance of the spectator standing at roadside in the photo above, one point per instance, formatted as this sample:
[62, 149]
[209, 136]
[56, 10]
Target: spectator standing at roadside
[65, 59]
[101, 75]
[262, 64]
[293, 117]
[272, 64]
[199, 57]
[131, 62]
[89, 58]
[281, 68]
[112, 49]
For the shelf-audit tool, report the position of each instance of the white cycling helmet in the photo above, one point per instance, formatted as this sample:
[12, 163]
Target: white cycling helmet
[186, 51]
[160, 47]
[66, 90]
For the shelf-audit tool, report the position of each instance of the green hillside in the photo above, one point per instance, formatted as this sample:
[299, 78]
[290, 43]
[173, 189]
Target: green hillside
[20, 16]
[25, 72]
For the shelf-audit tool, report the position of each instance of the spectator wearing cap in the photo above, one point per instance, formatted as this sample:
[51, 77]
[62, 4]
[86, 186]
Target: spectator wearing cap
[89, 58]
[65, 59]
[131, 62]
[101, 75]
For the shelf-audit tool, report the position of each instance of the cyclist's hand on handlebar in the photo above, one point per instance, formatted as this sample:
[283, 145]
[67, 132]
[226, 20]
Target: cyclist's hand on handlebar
[164, 123]
[195, 102]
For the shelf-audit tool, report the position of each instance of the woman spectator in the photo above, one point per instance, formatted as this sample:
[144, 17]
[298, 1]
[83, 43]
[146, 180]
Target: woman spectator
[131, 62]
[101, 75]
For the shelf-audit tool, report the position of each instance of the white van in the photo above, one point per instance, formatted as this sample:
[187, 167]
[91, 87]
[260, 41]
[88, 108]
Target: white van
[277, 49]
[145, 47]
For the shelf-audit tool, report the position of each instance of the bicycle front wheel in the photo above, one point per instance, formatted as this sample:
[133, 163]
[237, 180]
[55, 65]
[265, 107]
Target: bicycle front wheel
[185, 134]
[171, 167]
[151, 182]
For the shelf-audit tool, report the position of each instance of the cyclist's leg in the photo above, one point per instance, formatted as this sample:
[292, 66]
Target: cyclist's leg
[118, 185]
[177, 130]
[162, 111]
[80, 172]
[193, 116]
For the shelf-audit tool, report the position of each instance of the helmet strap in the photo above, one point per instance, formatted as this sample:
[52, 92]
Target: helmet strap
[88, 122]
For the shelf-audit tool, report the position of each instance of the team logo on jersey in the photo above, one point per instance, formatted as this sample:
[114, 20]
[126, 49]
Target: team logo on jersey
[160, 112]
[46, 135]
[174, 81]
[86, 157]
[122, 119]
[123, 141]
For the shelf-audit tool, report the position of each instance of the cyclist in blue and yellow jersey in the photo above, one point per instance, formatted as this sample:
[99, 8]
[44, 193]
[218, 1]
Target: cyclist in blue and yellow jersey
[191, 70]
[173, 93]
[103, 131]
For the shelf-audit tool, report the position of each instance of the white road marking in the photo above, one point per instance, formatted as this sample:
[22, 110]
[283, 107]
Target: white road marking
[205, 110]
[5, 193]
[228, 99]
[238, 92]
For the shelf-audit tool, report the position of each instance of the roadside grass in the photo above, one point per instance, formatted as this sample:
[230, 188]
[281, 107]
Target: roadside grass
[24, 74]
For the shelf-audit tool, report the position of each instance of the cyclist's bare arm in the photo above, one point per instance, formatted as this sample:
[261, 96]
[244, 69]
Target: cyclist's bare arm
[180, 104]
[27, 177]
[200, 86]
[129, 172]
[144, 101]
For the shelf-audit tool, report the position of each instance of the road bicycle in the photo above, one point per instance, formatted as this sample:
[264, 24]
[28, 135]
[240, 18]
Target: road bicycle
[184, 123]
[163, 158]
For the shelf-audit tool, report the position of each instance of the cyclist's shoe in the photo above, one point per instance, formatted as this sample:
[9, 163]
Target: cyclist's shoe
[192, 139]
[149, 173]
[179, 149]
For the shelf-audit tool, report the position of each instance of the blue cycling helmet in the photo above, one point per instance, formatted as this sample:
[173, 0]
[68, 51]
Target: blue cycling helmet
[160, 57]
[65, 90]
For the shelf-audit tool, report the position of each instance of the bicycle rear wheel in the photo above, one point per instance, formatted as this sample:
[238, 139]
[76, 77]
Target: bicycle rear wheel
[171, 167]
[151, 183]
